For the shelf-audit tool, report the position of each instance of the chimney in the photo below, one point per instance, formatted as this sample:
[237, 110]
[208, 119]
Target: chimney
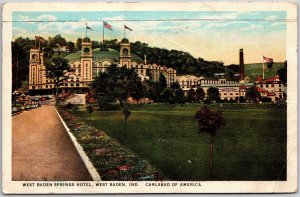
[145, 59]
[242, 71]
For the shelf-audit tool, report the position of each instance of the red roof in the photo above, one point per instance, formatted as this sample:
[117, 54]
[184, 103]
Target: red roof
[261, 90]
[272, 79]
[259, 79]
[243, 86]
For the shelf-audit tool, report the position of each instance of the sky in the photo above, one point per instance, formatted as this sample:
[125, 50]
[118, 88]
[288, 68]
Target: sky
[212, 35]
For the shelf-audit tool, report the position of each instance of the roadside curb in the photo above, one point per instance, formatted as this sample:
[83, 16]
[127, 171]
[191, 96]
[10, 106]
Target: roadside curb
[92, 170]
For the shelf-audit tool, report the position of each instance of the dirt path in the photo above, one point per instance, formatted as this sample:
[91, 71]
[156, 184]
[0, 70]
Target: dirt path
[42, 149]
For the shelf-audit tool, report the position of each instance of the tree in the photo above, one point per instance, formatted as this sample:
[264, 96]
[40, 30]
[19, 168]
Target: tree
[126, 114]
[270, 64]
[20, 57]
[213, 94]
[78, 44]
[167, 95]
[162, 82]
[117, 84]
[231, 70]
[56, 70]
[57, 41]
[209, 121]
[90, 110]
[252, 94]
[179, 96]
[282, 73]
[200, 94]
[71, 47]
[191, 95]
[174, 86]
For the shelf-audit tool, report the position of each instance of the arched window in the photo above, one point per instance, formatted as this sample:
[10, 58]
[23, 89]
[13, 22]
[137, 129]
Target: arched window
[125, 51]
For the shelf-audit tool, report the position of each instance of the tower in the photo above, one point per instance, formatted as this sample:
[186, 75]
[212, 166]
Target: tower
[125, 54]
[86, 60]
[34, 68]
[242, 71]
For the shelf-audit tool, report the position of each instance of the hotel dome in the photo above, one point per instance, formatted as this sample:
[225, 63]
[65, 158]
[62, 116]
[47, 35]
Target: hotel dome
[101, 55]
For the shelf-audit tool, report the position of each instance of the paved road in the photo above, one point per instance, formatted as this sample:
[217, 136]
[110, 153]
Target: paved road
[42, 149]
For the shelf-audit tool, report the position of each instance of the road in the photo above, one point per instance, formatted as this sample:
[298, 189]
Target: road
[42, 149]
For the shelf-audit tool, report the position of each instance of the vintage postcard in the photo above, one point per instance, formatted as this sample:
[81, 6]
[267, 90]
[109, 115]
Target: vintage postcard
[149, 97]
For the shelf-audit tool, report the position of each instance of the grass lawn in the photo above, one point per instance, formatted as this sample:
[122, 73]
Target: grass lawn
[252, 145]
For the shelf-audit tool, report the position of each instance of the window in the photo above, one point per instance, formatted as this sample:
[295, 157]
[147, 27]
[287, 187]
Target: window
[272, 85]
[231, 94]
[261, 86]
[86, 50]
[279, 85]
[225, 93]
[267, 85]
[236, 93]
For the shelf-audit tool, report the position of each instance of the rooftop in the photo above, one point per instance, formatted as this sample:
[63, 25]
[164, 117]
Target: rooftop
[100, 55]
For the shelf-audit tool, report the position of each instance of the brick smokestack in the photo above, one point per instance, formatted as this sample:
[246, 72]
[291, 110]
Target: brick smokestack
[242, 71]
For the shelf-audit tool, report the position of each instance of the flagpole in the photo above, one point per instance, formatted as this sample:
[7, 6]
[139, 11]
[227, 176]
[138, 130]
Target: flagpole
[103, 34]
[124, 32]
[85, 29]
[263, 68]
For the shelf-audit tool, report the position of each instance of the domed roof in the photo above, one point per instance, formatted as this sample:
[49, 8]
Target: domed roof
[100, 55]
[125, 40]
[86, 39]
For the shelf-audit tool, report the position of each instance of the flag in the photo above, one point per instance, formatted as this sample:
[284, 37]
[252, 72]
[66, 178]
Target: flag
[40, 39]
[267, 59]
[108, 26]
[127, 28]
[87, 27]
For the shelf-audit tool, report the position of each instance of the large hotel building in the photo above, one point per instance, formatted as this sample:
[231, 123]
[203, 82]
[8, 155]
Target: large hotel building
[89, 62]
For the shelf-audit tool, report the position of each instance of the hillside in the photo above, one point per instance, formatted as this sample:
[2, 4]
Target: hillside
[255, 70]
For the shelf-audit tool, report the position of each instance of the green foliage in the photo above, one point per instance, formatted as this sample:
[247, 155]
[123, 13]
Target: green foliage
[78, 44]
[71, 47]
[117, 84]
[191, 95]
[182, 61]
[179, 96]
[270, 64]
[200, 94]
[56, 69]
[252, 94]
[162, 82]
[282, 73]
[20, 58]
[213, 94]
[231, 70]
[254, 70]
[209, 120]
[167, 95]
[56, 41]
